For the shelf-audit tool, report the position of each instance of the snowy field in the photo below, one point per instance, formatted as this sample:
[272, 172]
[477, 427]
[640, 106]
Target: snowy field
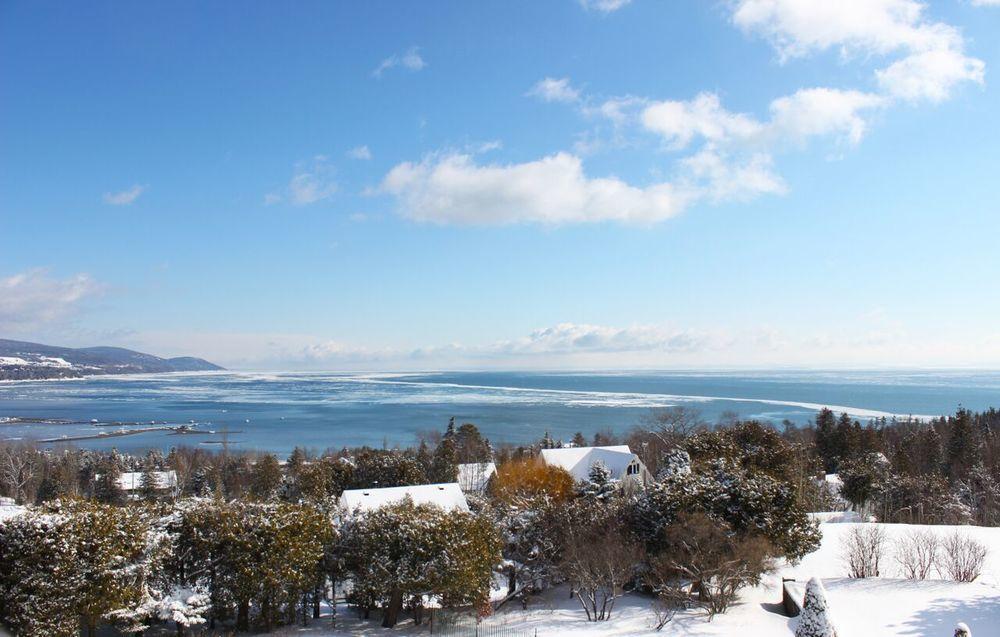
[885, 606]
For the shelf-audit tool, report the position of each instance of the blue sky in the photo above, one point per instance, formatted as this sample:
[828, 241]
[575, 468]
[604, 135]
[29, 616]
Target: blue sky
[609, 184]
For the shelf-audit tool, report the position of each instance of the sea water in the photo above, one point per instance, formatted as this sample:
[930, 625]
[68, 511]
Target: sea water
[279, 411]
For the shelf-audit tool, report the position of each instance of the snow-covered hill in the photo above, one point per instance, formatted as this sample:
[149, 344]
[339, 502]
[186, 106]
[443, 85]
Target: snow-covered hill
[20, 360]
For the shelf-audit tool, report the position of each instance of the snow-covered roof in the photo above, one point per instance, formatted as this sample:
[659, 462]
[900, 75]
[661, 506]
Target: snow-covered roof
[448, 496]
[132, 480]
[475, 475]
[578, 460]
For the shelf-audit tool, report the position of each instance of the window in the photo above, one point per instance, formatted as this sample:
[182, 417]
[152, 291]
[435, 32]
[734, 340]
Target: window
[632, 469]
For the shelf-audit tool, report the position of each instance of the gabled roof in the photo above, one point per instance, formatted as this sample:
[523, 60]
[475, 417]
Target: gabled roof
[474, 476]
[448, 496]
[578, 460]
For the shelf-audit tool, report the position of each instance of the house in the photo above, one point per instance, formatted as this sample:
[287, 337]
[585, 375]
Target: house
[625, 466]
[448, 496]
[474, 477]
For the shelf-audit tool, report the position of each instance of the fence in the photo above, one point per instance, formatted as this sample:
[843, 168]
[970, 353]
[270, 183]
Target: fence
[465, 626]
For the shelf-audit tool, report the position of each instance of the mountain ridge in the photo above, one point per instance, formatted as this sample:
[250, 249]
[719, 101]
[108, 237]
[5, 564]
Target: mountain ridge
[23, 360]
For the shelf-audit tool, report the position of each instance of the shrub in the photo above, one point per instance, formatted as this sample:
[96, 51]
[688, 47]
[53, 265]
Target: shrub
[917, 553]
[531, 478]
[703, 562]
[962, 557]
[599, 556]
[815, 619]
[863, 549]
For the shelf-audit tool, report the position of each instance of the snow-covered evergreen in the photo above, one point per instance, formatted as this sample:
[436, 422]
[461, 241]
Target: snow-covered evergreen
[675, 462]
[599, 484]
[815, 619]
[961, 630]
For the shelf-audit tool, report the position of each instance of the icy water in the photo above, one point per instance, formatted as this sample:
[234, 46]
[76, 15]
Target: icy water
[277, 411]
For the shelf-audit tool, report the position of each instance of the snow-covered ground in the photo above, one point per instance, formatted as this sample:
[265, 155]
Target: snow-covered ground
[885, 606]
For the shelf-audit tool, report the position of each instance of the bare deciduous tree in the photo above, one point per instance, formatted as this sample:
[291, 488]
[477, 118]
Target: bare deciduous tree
[962, 557]
[673, 425]
[16, 471]
[917, 553]
[862, 550]
[599, 559]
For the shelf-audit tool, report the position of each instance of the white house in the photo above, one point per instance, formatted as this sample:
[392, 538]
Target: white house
[624, 465]
[474, 477]
[448, 496]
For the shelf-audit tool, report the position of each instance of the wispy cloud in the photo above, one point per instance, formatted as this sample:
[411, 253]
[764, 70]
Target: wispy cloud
[33, 299]
[312, 181]
[604, 6]
[410, 60]
[360, 152]
[124, 197]
[552, 89]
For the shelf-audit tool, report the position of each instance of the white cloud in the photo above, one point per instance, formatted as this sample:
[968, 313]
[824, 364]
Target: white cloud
[679, 122]
[933, 61]
[410, 60]
[360, 152]
[604, 6]
[573, 337]
[820, 112]
[124, 197]
[929, 75]
[553, 89]
[795, 118]
[313, 181]
[552, 190]
[986, 3]
[32, 299]
[724, 178]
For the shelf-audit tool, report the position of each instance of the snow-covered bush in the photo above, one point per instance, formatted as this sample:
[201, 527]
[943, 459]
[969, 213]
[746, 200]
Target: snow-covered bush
[404, 551]
[598, 485]
[815, 620]
[962, 557]
[675, 462]
[961, 630]
[863, 549]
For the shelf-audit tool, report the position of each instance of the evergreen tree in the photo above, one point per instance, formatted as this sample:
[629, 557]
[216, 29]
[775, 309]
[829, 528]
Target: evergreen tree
[815, 619]
[547, 442]
[444, 465]
[404, 551]
[579, 440]
[826, 439]
[962, 630]
[149, 485]
[424, 457]
[107, 488]
[675, 463]
[599, 485]
[963, 449]
[265, 477]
